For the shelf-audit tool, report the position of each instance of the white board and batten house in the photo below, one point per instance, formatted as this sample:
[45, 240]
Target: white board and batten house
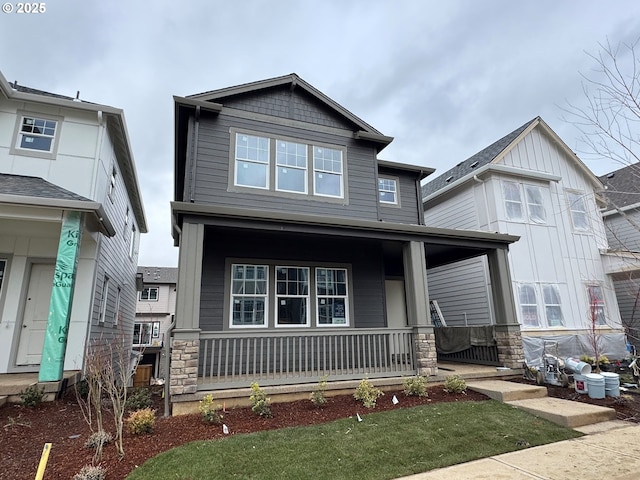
[529, 184]
[60, 155]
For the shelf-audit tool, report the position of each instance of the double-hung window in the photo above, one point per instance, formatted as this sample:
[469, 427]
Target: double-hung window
[37, 134]
[105, 299]
[528, 305]
[596, 305]
[327, 172]
[292, 296]
[249, 293]
[535, 205]
[552, 307]
[149, 294]
[388, 190]
[291, 167]
[512, 201]
[252, 161]
[530, 210]
[578, 209]
[331, 296]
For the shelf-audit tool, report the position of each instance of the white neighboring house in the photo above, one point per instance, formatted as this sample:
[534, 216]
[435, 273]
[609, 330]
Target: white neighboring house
[530, 184]
[59, 154]
[622, 261]
[155, 310]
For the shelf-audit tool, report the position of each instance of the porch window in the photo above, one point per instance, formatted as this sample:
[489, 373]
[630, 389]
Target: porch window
[551, 296]
[578, 209]
[388, 190]
[535, 206]
[596, 304]
[291, 167]
[292, 296]
[528, 305]
[327, 172]
[512, 201]
[252, 161]
[249, 289]
[331, 294]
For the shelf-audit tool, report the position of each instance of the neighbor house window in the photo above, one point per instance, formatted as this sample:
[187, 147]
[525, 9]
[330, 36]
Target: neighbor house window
[535, 205]
[112, 183]
[126, 217]
[105, 299]
[292, 296]
[149, 294]
[142, 333]
[388, 190]
[291, 167]
[512, 201]
[252, 161]
[37, 134]
[596, 305]
[578, 209]
[327, 172]
[249, 290]
[528, 305]
[331, 296]
[553, 311]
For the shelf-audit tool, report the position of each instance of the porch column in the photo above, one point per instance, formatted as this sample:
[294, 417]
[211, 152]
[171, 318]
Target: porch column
[186, 334]
[508, 334]
[417, 294]
[60, 305]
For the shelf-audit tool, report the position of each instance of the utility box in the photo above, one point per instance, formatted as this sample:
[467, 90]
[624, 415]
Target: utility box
[142, 377]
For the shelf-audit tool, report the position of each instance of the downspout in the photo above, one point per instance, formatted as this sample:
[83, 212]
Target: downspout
[167, 366]
[194, 159]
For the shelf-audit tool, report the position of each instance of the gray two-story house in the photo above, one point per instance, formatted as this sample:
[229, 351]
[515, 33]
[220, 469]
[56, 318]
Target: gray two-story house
[302, 254]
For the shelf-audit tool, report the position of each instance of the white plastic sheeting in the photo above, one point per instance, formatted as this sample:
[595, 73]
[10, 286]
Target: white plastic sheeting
[612, 345]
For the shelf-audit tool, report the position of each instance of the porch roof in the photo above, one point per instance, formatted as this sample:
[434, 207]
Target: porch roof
[443, 245]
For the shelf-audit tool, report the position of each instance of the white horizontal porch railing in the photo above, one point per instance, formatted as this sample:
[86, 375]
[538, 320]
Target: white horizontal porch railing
[235, 359]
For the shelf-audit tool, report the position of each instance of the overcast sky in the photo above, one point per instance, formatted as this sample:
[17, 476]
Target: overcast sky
[444, 78]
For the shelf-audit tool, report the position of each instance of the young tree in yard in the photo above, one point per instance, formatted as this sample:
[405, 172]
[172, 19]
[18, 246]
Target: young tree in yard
[610, 128]
[595, 320]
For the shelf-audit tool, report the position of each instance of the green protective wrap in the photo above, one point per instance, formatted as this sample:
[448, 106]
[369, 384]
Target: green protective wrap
[64, 279]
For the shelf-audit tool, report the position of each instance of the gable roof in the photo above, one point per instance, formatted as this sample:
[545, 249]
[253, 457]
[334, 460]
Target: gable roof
[159, 274]
[491, 155]
[622, 187]
[116, 125]
[294, 81]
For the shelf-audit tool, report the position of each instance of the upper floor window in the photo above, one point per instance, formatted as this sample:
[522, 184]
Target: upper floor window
[149, 294]
[280, 165]
[143, 332]
[291, 171]
[388, 190]
[37, 134]
[516, 210]
[112, 182]
[252, 161]
[132, 242]
[578, 209]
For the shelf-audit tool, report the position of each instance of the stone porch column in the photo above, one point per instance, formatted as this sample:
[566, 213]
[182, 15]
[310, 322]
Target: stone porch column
[186, 334]
[418, 313]
[508, 334]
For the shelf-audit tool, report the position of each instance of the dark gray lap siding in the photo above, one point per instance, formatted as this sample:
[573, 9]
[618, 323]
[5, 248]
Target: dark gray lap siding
[365, 258]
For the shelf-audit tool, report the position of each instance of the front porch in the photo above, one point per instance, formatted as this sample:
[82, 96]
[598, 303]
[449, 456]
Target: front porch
[12, 384]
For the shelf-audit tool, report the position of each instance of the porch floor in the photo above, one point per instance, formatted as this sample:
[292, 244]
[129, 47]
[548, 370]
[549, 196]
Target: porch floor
[11, 384]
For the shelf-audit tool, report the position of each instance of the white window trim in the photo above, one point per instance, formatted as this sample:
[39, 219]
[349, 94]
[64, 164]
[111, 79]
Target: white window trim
[113, 178]
[3, 272]
[279, 296]
[527, 197]
[305, 169]
[589, 305]
[346, 299]
[132, 243]
[520, 304]
[149, 299]
[116, 317]
[267, 164]
[321, 171]
[16, 149]
[571, 202]
[556, 287]
[396, 182]
[105, 299]
[266, 296]
[142, 324]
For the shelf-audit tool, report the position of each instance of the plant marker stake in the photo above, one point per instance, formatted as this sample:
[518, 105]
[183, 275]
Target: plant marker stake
[225, 429]
[224, 407]
[358, 415]
[394, 400]
[43, 461]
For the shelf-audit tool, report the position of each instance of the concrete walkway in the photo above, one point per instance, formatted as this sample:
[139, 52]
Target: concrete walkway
[609, 450]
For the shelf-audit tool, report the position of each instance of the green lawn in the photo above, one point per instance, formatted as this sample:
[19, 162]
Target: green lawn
[384, 445]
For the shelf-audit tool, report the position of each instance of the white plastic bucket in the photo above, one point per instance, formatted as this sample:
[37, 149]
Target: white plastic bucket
[580, 382]
[595, 385]
[577, 366]
[611, 384]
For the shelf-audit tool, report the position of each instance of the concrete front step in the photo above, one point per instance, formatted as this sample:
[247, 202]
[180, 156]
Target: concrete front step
[3, 400]
[504, 391]
[565, 412]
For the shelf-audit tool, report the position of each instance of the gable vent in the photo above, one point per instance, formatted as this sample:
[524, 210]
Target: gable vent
[611, 175]
[474, 165]
[449, 179]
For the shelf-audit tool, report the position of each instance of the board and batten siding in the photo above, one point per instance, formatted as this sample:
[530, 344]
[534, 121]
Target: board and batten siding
[213, 184]
[363, 257]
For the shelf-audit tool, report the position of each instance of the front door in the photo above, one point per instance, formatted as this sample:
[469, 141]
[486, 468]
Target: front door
[36, 314]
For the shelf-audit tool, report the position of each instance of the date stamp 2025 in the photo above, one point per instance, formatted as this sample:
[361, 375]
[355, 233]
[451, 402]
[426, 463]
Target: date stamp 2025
[24, 8]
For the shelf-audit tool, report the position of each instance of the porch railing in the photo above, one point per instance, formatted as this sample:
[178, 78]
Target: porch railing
[467, 345]
[235, 359]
